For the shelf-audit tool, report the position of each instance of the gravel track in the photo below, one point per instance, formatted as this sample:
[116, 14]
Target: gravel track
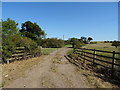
[54, 71]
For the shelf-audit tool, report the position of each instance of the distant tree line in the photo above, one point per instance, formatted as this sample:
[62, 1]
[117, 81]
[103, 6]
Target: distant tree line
[110, 41]
[76, 42]
[114, 43]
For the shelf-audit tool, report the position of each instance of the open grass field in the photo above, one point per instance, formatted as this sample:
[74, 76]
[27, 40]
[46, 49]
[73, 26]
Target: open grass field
[47, 51]
[102, 46]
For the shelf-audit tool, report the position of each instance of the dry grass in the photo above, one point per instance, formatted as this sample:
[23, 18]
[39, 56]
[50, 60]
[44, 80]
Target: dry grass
[16, 69]
[93, 78]
[101, 46]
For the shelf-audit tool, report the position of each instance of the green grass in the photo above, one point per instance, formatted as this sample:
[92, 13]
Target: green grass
[70, 51]
[68, 45]
[102, 46]
[47, 51]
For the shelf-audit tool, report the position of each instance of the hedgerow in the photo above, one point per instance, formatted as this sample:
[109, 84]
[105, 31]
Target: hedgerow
[52, 43]
[12, 38]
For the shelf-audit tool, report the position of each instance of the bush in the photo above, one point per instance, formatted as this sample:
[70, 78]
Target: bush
[52, 43]
[10, 44]
[93, 42]
[8, 48]
[12, 39]
[78, 44]
[29, 45]
[116, 43]
[67, 42]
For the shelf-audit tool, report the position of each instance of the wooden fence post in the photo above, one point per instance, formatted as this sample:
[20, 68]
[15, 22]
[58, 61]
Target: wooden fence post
[94, 56]
[8, 62]
[84, 56]
[82, 53]
[73, 50]
[113, 59]
[25, 55]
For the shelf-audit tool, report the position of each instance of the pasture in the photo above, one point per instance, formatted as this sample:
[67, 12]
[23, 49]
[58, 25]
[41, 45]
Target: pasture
[47, 51]
[101, 46]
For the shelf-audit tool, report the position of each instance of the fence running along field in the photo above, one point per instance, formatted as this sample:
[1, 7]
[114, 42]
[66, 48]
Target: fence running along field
[21, 54]
[105, 59]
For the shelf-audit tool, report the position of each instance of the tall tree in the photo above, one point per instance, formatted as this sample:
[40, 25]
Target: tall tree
[9, 27]
[72, 41]
[9, 30]
[84, 39]
[89, 39]
[32, 30]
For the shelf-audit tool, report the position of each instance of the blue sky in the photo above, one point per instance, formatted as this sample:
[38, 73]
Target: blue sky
[95, 19]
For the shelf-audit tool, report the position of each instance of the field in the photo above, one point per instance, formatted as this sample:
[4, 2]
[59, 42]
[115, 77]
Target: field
[103, 56]
[101, 46]
[104, 47]
[47, 51]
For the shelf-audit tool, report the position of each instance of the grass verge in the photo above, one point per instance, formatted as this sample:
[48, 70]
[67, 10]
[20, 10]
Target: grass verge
[69, 46]
[70, 51]
[47, 51]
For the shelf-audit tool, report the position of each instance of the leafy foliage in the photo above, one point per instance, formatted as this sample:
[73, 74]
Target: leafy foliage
[9, 30]
[76, 43]
[53, 43]
[8, 48]
[32, 30]
[9, 27]
[12, 39]
[83, 39]
[89, 38]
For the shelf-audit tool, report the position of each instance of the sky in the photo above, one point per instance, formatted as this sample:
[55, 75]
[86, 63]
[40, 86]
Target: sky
[71, 19]
[60, 0]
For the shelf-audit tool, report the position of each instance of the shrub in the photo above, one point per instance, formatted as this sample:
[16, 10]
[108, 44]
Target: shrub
[8, 48]
[77, 44]
[11, 43]
[93, 42]
[53, 43]
[30, 45]
[116, 43]
[67, 42]
[12, 39]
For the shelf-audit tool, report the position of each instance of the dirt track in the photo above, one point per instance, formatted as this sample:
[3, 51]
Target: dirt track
[54, 71]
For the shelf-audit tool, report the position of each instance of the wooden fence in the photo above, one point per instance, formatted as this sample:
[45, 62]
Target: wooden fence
[99, 57]
[20, 54]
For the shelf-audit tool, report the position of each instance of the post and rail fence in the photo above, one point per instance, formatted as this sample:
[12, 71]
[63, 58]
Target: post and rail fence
[97, 57]
[21, 54]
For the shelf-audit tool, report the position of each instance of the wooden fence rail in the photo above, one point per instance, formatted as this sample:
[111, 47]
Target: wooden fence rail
[20, 54]
[92, 55]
